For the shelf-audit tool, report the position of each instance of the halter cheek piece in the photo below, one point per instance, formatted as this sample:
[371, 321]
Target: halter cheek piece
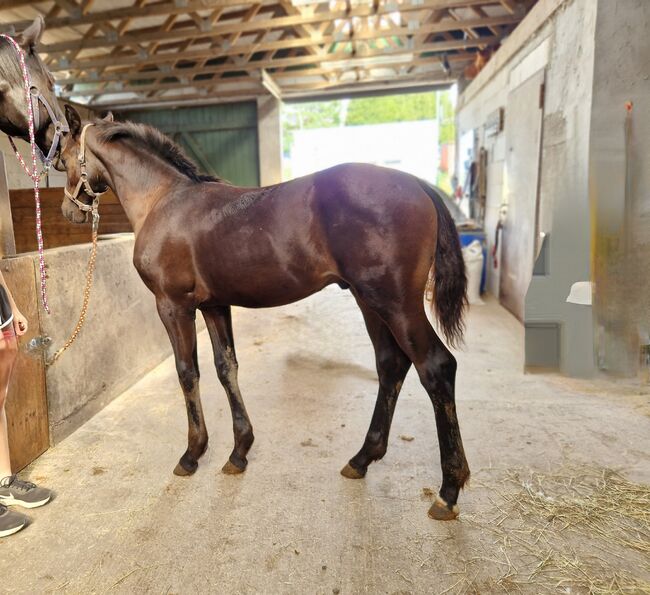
[58, 120]
[56, 117]
[83, 182]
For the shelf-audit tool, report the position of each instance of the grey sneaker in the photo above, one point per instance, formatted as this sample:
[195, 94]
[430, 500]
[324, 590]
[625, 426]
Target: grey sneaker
[10, 522]
[22, 493]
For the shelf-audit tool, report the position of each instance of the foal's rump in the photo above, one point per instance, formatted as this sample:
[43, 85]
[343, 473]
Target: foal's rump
[391, 235]
[380, 226]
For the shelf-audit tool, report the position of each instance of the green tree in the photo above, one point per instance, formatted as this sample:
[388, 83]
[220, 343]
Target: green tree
[391, 108]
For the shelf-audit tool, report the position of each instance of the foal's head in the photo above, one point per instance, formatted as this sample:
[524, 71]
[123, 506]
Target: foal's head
[13, 105]
[78, 160]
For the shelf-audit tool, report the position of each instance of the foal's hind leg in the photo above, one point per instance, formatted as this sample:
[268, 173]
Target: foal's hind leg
[392, 366]
[219, 323]
[180, 325]
[436, 368]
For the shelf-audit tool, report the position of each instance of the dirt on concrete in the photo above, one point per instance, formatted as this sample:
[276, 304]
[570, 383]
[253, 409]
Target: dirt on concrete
[560, 473]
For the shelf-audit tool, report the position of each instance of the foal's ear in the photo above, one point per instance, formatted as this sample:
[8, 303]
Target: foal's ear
[74, 120]
[108, 117]
[32, 35]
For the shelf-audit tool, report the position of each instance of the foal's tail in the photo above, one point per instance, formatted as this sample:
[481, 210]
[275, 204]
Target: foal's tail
[447, 287]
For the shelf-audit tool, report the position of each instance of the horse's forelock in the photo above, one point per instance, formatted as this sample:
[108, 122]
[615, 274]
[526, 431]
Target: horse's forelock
[9, 65]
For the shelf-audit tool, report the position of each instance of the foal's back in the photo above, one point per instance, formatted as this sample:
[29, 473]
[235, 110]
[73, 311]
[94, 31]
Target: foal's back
[261, 247]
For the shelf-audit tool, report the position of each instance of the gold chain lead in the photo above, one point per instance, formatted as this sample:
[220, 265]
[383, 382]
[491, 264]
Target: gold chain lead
[86, 294]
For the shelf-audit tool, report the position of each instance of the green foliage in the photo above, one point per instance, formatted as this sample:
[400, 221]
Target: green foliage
[391, 108]
[370, 110]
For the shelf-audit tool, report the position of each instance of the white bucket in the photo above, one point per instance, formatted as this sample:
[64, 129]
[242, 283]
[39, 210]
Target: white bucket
[473, 257]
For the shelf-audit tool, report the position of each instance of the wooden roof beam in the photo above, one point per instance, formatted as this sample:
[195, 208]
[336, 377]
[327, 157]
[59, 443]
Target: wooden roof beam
[95, 62]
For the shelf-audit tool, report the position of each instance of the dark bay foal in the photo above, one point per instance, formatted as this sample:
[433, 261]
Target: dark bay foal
[203, 244]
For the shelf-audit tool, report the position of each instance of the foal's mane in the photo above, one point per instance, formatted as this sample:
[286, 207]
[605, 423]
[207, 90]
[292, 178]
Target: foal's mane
[156, 142]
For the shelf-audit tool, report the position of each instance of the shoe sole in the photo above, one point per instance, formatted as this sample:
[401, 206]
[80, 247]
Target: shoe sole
[14, 502]
[11, 531]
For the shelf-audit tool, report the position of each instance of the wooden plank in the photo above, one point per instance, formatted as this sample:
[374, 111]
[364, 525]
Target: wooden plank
[446, 25]
[57, 231]
[51, 197]
[189, 73]
[7, 240]
[27, 417]
[182, 8]
[440, 46]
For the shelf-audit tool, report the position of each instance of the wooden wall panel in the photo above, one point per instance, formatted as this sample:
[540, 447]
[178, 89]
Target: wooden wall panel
[27, 413]
[57, 231]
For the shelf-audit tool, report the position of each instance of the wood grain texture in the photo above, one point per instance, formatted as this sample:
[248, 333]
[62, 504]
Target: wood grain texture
[57, 231]
[27, 414]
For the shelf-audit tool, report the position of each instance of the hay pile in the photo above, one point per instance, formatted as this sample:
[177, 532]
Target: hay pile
[580, 530]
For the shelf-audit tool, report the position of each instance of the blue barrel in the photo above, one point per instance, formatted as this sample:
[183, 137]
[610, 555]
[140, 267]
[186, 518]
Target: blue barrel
[466, 238]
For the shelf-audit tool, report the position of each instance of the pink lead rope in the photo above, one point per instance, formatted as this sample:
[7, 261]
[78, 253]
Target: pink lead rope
[34, 173]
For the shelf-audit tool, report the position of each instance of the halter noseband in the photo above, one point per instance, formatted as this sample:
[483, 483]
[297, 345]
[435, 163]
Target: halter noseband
[83, 182]
[36, 98]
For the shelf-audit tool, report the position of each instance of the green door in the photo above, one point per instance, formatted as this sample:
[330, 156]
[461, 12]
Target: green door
[221, 139]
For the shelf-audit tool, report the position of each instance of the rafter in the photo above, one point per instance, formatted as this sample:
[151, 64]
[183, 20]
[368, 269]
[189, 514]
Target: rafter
[159, 51]
[240, 49]
[254, 77]
[183, 7]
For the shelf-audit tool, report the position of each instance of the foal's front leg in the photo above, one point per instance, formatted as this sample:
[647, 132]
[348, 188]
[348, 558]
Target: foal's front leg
[219, 323]
[180, 324]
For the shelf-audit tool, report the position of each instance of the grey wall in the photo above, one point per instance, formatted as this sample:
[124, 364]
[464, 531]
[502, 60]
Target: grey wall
[564, 188]
[121, 340]
[621, 242]
[557, 36]
[269, 138]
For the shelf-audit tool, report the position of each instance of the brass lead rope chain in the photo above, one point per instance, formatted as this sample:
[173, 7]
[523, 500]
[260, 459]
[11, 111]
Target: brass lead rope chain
[86, 294]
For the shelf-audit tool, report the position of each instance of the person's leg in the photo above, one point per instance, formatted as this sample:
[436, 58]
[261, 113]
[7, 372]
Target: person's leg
[13, 491]
[10, 522]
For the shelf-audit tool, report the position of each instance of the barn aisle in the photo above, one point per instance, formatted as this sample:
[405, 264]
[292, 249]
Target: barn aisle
[122, 522]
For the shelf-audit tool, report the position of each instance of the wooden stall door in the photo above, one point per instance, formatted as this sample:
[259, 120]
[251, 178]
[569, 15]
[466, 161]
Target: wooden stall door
[27, 401]
[523, 142]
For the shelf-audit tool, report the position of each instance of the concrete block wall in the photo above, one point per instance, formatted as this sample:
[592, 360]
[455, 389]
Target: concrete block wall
[593, 193]
[619, 184]
[558, 36]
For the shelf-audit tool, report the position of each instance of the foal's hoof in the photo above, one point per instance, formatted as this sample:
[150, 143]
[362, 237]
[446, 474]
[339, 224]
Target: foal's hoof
[440, 510]
[183, 469]
[351, 473]
[231, 469]
[186, 466]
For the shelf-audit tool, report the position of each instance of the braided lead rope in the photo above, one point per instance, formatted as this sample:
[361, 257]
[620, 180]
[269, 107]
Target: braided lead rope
[34, 174]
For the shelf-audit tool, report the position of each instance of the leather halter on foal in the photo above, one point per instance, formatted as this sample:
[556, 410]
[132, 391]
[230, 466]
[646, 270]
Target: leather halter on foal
[83, 182]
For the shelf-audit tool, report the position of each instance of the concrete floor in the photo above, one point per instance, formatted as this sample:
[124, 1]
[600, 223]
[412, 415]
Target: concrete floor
[291, 524]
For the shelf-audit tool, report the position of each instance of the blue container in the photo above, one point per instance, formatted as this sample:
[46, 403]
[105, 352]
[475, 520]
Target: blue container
[466, 238]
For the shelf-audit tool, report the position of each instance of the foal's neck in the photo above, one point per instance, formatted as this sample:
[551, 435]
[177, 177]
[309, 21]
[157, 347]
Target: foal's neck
[139, 180]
